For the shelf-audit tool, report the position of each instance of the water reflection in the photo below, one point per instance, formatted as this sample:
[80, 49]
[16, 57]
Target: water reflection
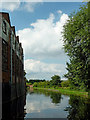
[43, 104]
[56, 98]
[79, 108]
[14, 110]
[47, 104]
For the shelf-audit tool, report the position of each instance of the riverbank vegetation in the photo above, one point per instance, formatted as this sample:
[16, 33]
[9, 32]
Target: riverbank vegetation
[57, 85]
[77, 46]
[66, 91]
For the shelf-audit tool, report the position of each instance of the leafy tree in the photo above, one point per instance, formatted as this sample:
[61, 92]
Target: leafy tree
[77, 46]
[65, 83]
[35, 84]
[56, 80]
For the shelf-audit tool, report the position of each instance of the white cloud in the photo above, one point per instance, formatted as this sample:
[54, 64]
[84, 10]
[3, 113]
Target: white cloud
[40, 69]
[53, 0]
[41, 41]
[29, 6]
[33, 0]
[38, 66]
[59, 11]
[10, 5]
[42, 38]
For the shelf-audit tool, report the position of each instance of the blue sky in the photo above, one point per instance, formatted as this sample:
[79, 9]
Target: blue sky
[39, 26]
[41, 11]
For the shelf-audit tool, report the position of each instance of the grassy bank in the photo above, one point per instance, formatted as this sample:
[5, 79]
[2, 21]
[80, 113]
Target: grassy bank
[65, 91]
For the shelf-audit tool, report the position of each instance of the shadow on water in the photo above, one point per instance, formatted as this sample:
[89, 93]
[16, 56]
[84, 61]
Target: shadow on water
[14, 110]
[79, 108]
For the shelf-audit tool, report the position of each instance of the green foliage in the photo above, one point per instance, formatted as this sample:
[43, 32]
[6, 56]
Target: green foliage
[32, 81]
[35, 84]
[56, 80]
[77, 46]
[65, 83]
[41, 84]
[78, 108]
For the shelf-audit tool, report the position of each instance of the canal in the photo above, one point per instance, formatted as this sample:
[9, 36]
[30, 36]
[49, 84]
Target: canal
[38, 104]
[48, 104]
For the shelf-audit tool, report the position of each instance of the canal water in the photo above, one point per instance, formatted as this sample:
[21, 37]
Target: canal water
[41, 104]
[48, 104]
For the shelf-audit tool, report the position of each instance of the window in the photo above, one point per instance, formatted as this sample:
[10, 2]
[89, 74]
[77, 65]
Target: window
[13, 62]
[4, 56]
[4, 27]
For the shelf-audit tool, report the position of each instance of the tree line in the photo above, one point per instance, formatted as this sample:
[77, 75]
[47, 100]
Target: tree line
[55, 82]
[77, 46]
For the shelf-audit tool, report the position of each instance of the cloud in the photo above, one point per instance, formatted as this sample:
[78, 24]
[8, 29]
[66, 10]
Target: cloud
[59, 11]
[38, 66]
[53, 0]
[12, 5]
[38, 69]
[42, 38]
[43, 41]
[33, 1]
[29, 5]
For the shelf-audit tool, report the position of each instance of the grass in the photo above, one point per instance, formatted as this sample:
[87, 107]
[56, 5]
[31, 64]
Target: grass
[66, 91]
[28, 83]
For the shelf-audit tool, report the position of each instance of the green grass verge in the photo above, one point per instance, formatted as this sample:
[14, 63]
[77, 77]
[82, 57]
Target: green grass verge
[66, 91]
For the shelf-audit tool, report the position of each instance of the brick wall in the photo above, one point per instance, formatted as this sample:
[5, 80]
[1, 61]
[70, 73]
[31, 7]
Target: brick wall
[0, 59]
[12, 74]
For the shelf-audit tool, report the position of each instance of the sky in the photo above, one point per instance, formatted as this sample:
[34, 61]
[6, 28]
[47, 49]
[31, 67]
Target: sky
[39, 26]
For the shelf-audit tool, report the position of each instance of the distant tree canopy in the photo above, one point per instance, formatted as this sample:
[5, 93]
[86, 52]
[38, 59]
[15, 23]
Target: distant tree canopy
[32, 81]
[77, 46]
[56, 80]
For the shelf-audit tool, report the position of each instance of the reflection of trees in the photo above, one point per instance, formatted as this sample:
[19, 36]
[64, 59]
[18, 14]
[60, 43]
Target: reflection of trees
[37, 91]
[56, 97]
[79, 109]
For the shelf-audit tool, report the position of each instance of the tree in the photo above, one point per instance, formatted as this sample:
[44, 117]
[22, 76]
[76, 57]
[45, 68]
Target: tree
[56, 80]
[65, 83]
[25, 76]
[77, 46]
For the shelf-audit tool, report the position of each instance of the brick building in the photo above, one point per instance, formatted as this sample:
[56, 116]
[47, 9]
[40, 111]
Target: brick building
[11, 61]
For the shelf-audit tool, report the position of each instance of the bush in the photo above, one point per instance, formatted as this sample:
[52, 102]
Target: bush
[35, 84]
[65, 83]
